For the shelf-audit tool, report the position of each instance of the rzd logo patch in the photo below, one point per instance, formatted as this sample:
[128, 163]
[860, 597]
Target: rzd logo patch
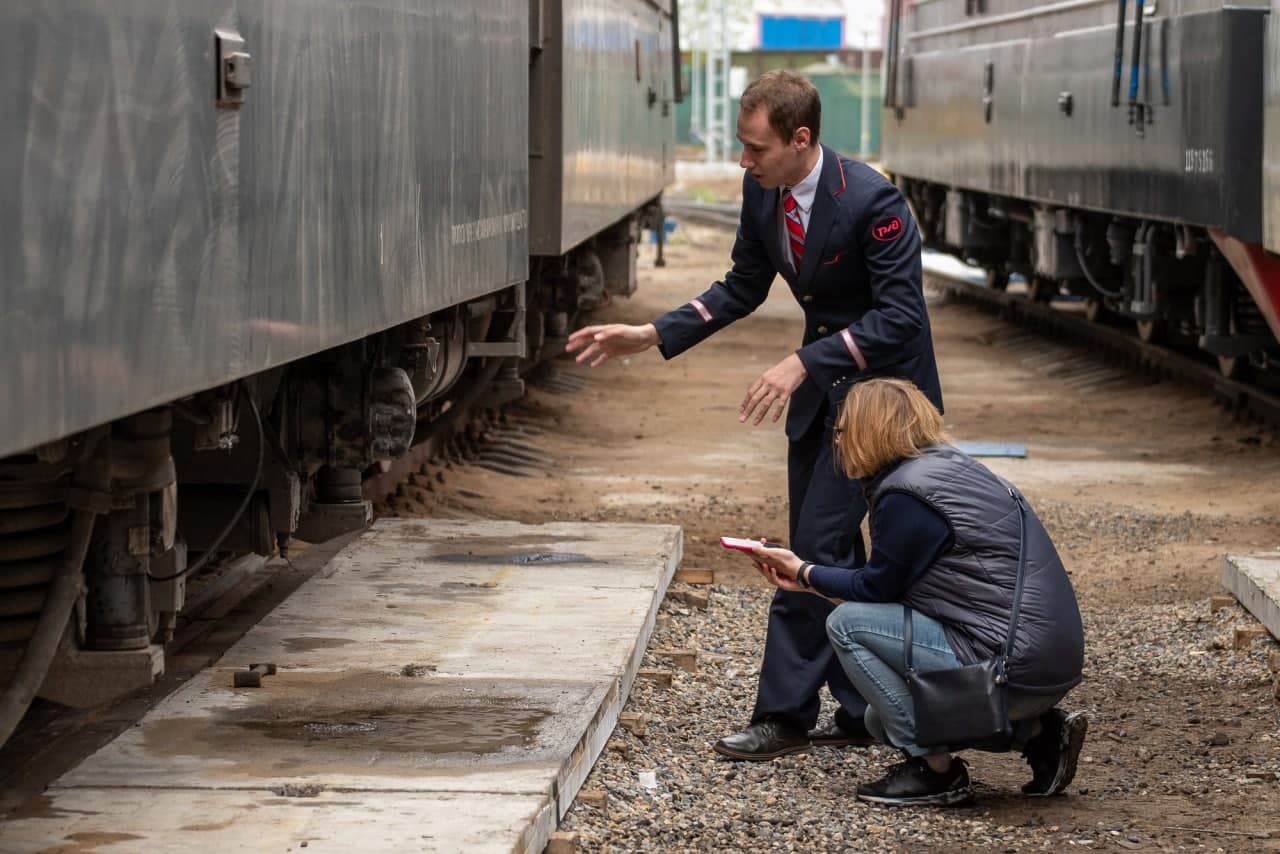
[887, 229]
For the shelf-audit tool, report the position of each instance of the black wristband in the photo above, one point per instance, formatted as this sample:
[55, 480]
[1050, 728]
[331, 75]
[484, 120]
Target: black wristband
[800, 574]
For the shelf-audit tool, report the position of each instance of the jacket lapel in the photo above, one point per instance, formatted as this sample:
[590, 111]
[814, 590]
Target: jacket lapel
[831, 184]
[769, 230]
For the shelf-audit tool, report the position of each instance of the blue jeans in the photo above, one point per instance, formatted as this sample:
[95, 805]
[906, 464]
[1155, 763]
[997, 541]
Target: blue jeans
[867, 637]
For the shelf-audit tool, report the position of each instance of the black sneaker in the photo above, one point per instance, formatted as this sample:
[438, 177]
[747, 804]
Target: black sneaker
[914, 784]
[1053, 753]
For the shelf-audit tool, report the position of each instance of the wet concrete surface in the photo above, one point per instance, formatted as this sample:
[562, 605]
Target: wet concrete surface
[405, 685]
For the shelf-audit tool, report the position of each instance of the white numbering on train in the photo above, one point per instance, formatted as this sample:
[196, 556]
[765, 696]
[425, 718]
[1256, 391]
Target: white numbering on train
[1198, 161]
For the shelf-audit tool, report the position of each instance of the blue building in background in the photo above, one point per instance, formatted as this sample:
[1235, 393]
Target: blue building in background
[801, 32]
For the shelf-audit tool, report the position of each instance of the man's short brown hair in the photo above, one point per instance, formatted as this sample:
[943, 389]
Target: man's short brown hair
[792, 102]
[884, 421]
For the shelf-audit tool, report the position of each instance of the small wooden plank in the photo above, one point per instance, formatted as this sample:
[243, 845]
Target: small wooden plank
[685, 659]
[561, 842]
[1217, 603]
[1255, 581]
[635, 722]
[693, 598]
[1245, 636]
[1273, 660]
[695, 576]
[661, 678]
[597, 798]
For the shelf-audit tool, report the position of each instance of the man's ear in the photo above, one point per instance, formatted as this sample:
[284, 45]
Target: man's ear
[800, 139]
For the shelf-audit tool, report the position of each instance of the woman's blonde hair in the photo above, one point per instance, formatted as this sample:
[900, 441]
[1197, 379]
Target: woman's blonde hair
[884, 421]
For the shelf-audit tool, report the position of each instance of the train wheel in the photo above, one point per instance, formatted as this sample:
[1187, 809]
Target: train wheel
[1096, 310]
[1150, 331]
[997, 280]
[1041, 289]
[1233, 367]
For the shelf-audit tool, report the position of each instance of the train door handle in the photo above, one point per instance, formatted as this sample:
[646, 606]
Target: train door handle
[988, 88]
[234, 70]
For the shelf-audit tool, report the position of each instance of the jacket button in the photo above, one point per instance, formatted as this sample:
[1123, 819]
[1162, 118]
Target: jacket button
[822, 330]
[807, 298]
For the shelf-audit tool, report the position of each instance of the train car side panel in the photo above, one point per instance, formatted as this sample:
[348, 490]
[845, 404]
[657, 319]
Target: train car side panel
[601, 103]
[1033, 117]
[1271, 136]
[367, 167]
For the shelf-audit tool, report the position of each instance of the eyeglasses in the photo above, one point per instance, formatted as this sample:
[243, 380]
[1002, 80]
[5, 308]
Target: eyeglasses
[836, 431]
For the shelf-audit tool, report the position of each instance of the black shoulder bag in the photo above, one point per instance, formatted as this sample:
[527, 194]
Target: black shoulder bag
[967, 706]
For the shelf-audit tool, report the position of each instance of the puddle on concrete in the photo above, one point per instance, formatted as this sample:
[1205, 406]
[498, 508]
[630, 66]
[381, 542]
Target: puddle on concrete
[367, 720]
[42, 806]
[307, 644]
[437, 729]
[518, 559]
[92, 841]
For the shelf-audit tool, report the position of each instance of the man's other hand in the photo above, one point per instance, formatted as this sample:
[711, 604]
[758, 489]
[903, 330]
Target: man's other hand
[603, 342]
[774, 386]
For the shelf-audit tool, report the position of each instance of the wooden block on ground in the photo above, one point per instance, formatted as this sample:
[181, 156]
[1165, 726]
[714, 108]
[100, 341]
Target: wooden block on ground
[664, 619]
[696, 576]
[560, 842]
[685, 659]
[1245, 635]
[662, 678]
[1223, 600]
[693, 598]
[1273, 660]
[618, 746]
[597, 798]
[635, 722]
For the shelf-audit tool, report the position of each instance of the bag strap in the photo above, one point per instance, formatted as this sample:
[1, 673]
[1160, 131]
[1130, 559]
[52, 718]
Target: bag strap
[1017, 591]
[1022, 562]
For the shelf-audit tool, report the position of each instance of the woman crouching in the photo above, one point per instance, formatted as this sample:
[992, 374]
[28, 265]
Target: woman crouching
[947, 537]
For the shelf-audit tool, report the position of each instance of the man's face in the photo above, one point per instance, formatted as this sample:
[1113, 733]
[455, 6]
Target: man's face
[771, 160]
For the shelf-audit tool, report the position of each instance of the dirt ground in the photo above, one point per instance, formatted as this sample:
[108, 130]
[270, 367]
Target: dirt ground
[1144, 488]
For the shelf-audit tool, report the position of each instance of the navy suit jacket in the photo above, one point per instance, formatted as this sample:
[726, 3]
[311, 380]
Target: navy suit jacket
[859, 286]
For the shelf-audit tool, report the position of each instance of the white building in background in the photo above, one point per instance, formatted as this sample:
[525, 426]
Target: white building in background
[863, 19]
[699, 20]
[712, 30]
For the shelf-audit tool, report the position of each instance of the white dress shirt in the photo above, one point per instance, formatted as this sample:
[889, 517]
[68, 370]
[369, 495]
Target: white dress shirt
[804, 193]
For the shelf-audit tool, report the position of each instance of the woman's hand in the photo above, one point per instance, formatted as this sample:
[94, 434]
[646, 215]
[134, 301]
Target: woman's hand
[778, 566]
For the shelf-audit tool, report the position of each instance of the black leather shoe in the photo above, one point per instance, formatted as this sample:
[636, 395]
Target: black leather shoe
[832, 734]
[766, 739]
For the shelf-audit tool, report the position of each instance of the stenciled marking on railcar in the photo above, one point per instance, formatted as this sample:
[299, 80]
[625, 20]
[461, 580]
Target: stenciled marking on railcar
[490, 226]
[1198, 161]
[887, 229]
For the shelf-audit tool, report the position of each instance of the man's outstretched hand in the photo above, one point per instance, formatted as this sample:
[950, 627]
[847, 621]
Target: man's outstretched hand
[774, 386]
[604, 342]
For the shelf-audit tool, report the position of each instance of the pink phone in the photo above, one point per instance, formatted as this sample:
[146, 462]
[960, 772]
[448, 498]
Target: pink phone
[743, 544]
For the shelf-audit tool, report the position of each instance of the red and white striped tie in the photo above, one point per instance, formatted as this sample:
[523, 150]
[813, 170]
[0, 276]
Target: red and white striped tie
[795, 230]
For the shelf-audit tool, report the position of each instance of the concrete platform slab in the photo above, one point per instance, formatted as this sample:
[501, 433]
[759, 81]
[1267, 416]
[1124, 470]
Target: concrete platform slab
[1255, 581]
[432, 670]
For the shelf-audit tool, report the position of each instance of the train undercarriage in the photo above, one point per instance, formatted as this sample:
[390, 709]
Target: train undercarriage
[1181, 285]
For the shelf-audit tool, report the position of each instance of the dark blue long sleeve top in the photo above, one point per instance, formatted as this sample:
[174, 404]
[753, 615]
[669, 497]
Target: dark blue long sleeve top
[907, 536]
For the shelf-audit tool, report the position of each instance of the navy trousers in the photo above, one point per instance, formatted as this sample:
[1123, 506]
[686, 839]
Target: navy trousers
[826, 518]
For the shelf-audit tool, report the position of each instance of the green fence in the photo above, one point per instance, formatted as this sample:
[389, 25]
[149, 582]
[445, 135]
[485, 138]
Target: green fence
[841, 91]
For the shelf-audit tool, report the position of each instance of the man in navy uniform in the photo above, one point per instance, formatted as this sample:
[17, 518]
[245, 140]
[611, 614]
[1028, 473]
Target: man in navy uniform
[842, 238]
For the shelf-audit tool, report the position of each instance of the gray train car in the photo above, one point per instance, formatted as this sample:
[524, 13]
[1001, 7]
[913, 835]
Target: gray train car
[603, 84]
[251, 251]
[1271, 135]
[1111, 149]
